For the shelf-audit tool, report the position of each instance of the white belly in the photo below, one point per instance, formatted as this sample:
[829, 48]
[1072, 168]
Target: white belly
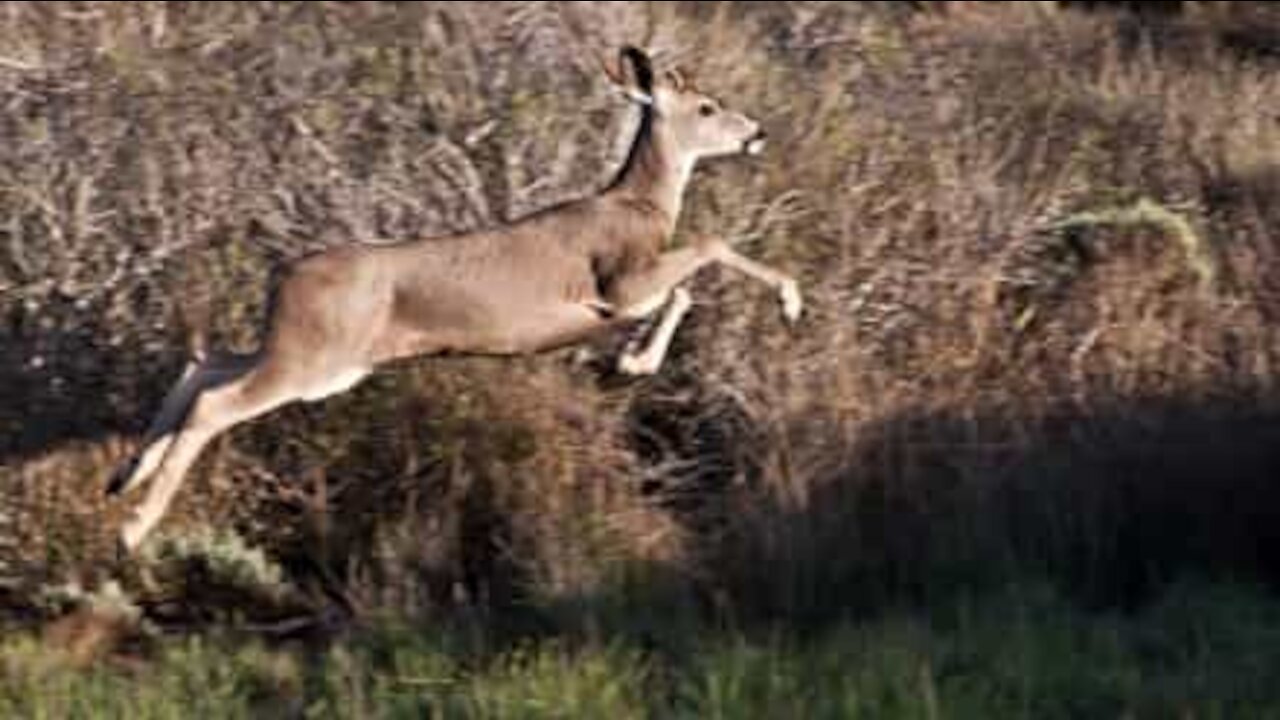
[339, 383]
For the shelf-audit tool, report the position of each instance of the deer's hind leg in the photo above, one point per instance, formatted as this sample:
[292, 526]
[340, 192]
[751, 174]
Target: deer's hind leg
[260, 389]
[198, 376]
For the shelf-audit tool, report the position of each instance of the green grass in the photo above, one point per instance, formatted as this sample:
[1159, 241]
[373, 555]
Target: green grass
[1148, 214]
[1203, 651]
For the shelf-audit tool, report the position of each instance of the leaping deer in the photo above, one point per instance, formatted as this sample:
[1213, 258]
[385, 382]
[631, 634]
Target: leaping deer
[547, 280]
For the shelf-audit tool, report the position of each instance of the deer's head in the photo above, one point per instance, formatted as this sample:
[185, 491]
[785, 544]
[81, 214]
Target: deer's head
[698, 124]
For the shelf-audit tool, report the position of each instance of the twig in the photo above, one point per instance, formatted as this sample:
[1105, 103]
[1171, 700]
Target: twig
[9, 63]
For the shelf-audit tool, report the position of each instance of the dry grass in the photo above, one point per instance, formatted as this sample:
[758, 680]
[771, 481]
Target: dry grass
[1041, 338]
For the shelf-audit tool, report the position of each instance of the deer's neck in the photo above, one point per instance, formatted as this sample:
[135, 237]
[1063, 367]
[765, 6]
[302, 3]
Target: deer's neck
[655, 172]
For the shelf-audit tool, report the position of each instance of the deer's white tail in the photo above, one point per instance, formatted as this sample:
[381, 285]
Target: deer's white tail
[202, 372]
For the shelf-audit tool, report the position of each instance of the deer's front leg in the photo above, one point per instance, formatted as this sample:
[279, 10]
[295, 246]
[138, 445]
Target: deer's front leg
[639, 294]
[788, 289]
[648, 360]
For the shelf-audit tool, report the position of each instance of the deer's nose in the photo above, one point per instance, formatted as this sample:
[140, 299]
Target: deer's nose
[754, 145]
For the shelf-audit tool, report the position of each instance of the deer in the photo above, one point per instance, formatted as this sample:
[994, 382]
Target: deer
[550, 279]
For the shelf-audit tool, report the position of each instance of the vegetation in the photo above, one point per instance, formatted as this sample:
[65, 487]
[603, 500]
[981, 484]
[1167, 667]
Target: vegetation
[1017, 460]
[1203, 651]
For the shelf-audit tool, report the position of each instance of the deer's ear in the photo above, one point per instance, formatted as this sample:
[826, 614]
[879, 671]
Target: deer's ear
[631, 74]
[641, 67]
[676, 80]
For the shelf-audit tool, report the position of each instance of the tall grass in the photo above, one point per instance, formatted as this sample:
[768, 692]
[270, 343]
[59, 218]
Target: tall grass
[1201, 652]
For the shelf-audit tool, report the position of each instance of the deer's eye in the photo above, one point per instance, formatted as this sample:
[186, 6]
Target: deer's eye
[706, 108]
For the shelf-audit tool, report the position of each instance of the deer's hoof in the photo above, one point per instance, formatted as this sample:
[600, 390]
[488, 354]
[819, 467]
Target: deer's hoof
[636, 365]
[681, 300]
[792, 303]
[130, 538]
